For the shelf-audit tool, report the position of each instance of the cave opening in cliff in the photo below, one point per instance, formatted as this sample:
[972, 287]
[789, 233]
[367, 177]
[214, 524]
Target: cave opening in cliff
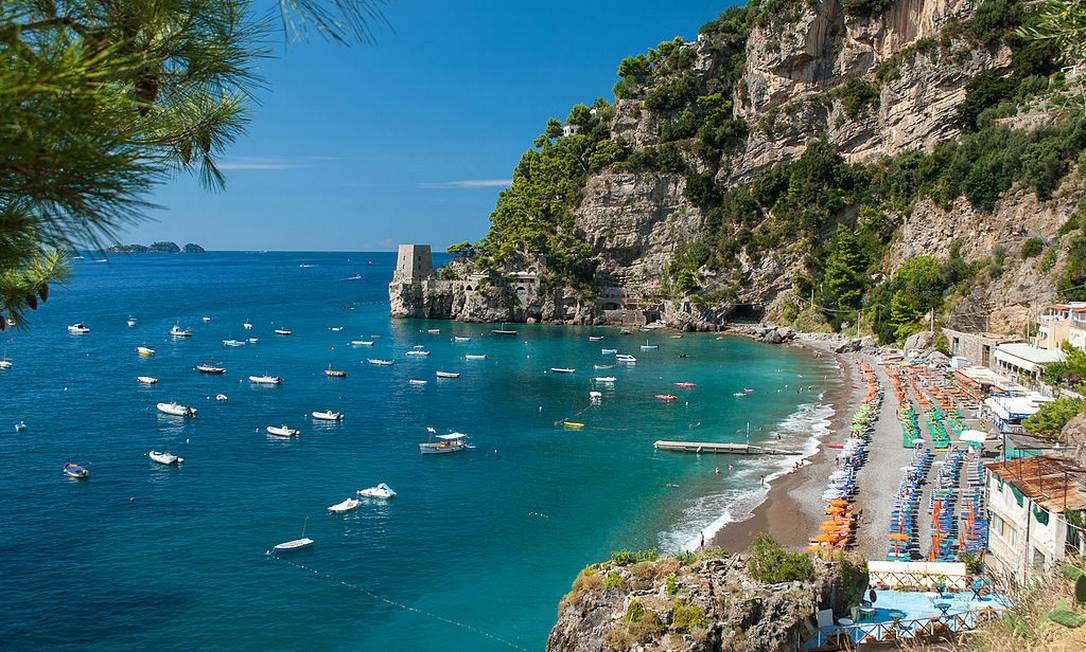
[746, 313]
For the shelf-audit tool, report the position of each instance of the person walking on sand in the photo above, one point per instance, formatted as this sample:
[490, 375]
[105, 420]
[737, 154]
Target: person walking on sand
[701, 540]
[761, 480]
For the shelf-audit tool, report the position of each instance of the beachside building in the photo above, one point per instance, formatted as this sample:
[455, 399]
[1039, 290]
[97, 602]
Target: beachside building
[1008, 411]
[1024, 361]
[1035, 509]
[1062, 322]
[978, 348]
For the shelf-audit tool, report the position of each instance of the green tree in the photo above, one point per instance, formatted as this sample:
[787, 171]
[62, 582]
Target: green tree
[843, 281]
[1069, 372]
[100, 100]
[1052, 417]
[461, 249]
[917, 287]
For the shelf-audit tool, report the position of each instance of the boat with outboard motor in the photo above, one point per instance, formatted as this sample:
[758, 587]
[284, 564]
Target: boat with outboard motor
[382, 491]
[282, 431]
[167, 459]
[76, 471]
[175, 409]
[327, 415]
[450, 443]
[265, 380]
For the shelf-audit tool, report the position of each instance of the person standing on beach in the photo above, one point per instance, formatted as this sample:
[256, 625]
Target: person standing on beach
[701, 540]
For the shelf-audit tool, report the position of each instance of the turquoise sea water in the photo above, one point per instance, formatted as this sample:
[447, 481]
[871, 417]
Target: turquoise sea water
[476, 550]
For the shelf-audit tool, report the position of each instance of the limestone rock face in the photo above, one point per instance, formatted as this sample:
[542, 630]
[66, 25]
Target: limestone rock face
[710, 605]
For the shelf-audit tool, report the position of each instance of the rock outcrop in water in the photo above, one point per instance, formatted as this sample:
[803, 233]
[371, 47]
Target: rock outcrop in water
[868, 87]
[707, 605]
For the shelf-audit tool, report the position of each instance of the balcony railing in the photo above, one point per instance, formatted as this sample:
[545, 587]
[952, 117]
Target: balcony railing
[848, 636]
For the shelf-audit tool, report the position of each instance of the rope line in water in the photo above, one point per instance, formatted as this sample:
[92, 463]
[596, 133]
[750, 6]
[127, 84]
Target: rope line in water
[400, 605]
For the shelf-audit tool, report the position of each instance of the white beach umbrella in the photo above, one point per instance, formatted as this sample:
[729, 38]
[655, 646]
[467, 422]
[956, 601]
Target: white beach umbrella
[973, 436]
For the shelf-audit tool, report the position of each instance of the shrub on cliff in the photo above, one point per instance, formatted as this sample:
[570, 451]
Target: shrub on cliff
[866, 7]
[770, 563]
[1052, 417]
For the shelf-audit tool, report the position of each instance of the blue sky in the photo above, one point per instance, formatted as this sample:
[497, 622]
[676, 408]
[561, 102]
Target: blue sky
[411, 139]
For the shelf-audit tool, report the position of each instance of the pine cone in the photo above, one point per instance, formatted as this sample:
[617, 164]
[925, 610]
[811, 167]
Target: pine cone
[32, 301]
[43, 291]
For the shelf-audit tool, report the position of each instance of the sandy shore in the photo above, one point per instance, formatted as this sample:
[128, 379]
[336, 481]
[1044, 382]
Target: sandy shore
[794, 507]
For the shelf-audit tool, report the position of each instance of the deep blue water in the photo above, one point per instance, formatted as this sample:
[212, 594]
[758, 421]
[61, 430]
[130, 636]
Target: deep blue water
[476, 550]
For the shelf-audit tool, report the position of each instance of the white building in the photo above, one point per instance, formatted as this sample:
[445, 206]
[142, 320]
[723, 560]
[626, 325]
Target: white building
[1024, 361]
[1008, 412]
[1029, 500]
[571, 130]
[1062, 322]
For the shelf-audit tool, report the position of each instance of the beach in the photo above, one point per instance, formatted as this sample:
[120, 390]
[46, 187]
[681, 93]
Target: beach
[793, 509]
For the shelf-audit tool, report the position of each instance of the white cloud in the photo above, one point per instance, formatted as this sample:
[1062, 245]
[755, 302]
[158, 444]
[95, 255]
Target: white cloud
[467, 183]
[254, 163]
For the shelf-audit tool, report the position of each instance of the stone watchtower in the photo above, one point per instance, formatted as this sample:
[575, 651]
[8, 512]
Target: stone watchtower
[414, 263]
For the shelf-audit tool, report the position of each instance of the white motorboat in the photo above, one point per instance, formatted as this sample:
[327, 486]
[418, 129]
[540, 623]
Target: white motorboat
[418, 353]
[335, 329]
[221, 397]
[20, 426]
[169, 459]
[146, 380]
[283, 331]
[252, 340]
[603, 366]
[205, 319]
[131, 321]
[247, 326]
[145, 351]
[563, 370]
[504, 331]
[475, 356]
[265, 380]
[457, 338]
[210, 369]
[176, 410]
[595, 338]
[434, 331]
[78, 328]
[6, 364]
[595, 395]
[450, 443]
[382, 491]
[608, 351]
[415, 381]
[282, 431]
[233, 343]
[177, 331]
[361, 343]
[604, 379]
[649, 347]
[448, 374]
[625, 357]
[345, 506]
[327, 416]
[379, 362]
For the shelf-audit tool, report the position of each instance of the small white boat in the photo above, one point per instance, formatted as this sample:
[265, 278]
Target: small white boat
[233, 343]
[608, 351]
[475, 356]
[434, 331]
[247, 326]
[335, 329]
[210, 369]
[205, 319]
[595, 395]
[252, 340]
[595, 338]
[176, 410]
[131, 321]
[177, 331]
[457, 338]
[283, 331]
[504, 331]
[649, 347]
[20, 426]
[563, 370]
[361, 343]
[419, 347]
[221, 397]
[78, 328]
[282, 431]
[604, 379]
[415, 381]
[296, 544]
[345, 506]
[146, 380]
[603, 366]
[382, 491]
[450, 443]
[448, 374]
[327, 416]
[265, 380]
[169, 459]
[625, 357]
[144, 351]
[379, 362]
[6, 364]
[418, 353]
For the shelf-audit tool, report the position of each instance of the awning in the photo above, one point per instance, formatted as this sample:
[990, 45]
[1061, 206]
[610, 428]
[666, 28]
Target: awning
[978, 436]
[452, 436]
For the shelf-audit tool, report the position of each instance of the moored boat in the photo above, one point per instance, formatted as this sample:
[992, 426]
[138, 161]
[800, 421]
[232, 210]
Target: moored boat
[649, 347]
[233, 343]
[146, 380]
[448, 374]
[76, 471]
[210, 369]
[345, 506]
[625, 357]
[416, 381]
[144, 351]
[168, 459]
[78, 328]
[450, 443]
[684, 385]
[572, 425]
[603, 366]
[221, 397]
[382, 491]
[379, 362]
[177, 331]
[361, 342]
[604, 379]
[247, 326]
[131, 321]
[327, 415]
[595, 338]
[265, 380]
[174, 409]
[666, 397]
[418, 353]
[283, 331]
[434, 331]
[334, 373]
[563, 370]
[282, 431]
[475, 356]
[503, 331]
[608, 351]
[296, 544]
[457, 338]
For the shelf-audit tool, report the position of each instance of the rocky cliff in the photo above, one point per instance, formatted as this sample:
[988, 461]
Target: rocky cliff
[679, 211]
[709, 604]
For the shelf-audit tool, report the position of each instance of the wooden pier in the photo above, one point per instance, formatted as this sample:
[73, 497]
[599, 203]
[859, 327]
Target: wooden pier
[718, 447]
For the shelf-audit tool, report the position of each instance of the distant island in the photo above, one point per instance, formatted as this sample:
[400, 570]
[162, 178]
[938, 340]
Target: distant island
[155, 248]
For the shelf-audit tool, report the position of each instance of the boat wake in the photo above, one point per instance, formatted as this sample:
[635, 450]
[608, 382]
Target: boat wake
[803, 430]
